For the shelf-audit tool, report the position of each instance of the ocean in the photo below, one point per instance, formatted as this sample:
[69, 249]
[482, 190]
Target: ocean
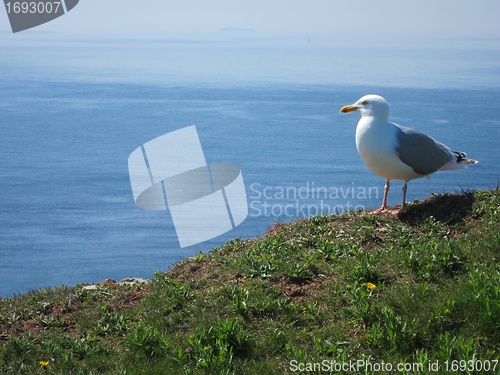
[71, 112]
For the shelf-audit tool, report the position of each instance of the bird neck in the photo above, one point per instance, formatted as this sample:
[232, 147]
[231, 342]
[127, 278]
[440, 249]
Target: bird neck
[370, 121]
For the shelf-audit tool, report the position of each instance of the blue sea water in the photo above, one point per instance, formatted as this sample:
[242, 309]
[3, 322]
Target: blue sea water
[71, 112]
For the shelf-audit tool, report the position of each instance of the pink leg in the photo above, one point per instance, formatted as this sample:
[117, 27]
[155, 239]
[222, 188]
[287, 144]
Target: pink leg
[403, 206]
[383, 208]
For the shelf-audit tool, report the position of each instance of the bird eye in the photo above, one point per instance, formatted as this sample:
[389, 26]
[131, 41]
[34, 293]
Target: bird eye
[364, 102]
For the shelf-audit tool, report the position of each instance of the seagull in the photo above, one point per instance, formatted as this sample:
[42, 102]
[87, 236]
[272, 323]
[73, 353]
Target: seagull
[396, 152]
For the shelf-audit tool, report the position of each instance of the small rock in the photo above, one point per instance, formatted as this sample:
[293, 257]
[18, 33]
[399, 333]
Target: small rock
[133, 281]
[112, 284]
[90, 287]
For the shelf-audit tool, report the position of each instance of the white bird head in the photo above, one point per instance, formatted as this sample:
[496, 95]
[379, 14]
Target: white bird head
[370, 106]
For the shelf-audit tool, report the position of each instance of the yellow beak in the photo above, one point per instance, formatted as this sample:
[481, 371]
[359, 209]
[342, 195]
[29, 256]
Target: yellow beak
[348, 108]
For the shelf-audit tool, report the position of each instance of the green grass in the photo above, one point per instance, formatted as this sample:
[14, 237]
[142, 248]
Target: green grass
[297, 295]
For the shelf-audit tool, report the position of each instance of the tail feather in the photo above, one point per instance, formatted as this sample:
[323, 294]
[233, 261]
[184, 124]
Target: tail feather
[462, 158]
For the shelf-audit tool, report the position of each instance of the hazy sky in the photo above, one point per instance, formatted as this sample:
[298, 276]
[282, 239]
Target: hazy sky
[261, 18]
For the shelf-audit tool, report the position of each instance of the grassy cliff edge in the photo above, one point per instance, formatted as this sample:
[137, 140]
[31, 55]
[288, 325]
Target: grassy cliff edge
[354, 293]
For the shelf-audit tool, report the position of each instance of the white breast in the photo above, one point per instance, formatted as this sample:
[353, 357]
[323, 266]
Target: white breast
[376, 144]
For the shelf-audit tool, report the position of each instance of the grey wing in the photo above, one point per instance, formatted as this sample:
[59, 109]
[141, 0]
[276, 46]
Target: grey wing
[422, 153]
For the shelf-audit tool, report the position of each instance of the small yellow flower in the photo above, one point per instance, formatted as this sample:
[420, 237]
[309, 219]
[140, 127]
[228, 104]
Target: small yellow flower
[446, 311]
[44, 364]
[370, 286]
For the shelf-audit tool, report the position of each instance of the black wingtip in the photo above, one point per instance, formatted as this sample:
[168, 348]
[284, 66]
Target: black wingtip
[462, 158]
